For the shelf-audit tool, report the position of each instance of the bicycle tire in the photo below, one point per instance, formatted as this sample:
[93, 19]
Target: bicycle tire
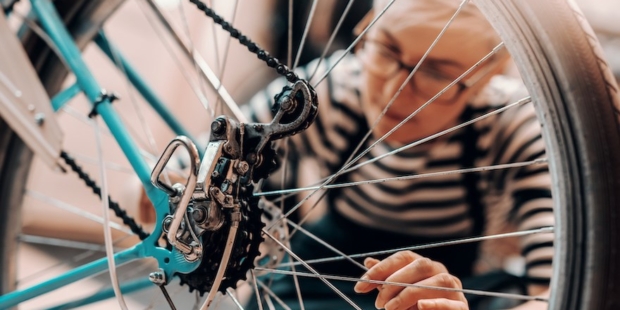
[560, 61]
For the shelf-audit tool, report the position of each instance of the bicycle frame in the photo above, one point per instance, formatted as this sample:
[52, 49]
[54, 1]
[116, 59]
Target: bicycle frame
[170, 261]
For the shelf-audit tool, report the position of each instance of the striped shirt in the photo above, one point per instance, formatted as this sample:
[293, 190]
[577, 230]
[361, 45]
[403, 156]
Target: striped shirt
[447, 206]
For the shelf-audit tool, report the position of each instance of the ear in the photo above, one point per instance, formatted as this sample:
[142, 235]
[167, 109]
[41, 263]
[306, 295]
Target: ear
[364, 23]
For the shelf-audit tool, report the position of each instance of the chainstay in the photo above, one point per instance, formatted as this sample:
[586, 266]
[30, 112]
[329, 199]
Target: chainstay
[244, 40]
[127, 220]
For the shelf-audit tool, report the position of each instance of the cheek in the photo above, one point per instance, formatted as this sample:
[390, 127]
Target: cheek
[441, 117]
[370, 89]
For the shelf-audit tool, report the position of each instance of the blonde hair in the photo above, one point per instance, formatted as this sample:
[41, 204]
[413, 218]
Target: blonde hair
[432, 15]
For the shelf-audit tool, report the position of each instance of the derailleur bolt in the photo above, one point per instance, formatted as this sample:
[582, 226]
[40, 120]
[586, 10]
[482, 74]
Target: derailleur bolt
[167, 223]
[199, 215]
[218, 126]
[242, 167]
[251, 158]
[288, 105]
[158, 277]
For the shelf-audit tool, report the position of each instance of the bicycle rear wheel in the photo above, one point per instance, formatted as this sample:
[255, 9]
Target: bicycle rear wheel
[577, 103]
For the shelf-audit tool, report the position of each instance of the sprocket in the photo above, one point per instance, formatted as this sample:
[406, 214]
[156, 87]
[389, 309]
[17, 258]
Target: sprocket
[245, 250]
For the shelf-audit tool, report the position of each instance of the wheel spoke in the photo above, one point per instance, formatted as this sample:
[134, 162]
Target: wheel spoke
[272, 294]
[287, 237]
[411, 177]
[196, 87]
[109, 165]
[331, 39]
[432, 245]
[327, 245]
[405, 83]
[346, 166]
[195, 57]
[67, 207]
[305, 34]
[414, 113]
[465, 291]
[289, 56]
[150, 138]
[206, 76]
[107, 234]
[348, 50]
[192, 50]
[291, 253]
[222, 70]
[230, 294]
[408, 146]
[73, 260]
[64, 243]
[84, 119]
[256, 291]
[442, 133]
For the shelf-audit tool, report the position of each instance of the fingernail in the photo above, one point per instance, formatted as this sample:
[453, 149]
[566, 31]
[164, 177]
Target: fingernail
[392, 304]
[360, 287]
[369, 262]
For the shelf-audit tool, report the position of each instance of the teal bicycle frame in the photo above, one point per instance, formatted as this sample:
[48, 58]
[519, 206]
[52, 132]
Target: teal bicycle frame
[170, 261]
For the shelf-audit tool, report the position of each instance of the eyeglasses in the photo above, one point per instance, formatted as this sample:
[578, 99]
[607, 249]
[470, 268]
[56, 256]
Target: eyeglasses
[382, 62]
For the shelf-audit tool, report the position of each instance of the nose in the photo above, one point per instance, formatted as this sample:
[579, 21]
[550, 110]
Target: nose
[396, 84]
[407, 98]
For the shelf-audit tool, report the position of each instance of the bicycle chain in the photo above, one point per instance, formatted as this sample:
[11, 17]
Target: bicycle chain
[252, 47]
[9, 8]
[206, 270]
[127, 220]
[244, 40]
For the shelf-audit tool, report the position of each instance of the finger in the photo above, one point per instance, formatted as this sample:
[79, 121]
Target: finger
[417, 271]
[370, 262]
[410, 295]
[363, 287]
[384, 269]
[441, 304]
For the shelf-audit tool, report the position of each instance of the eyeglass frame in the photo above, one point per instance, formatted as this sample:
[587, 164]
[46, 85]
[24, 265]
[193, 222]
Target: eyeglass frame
[461, 84]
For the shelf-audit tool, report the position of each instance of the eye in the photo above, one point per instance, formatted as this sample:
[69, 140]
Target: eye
[435, 75]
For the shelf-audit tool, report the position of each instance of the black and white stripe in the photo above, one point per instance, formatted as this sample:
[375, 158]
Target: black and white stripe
[436, 207]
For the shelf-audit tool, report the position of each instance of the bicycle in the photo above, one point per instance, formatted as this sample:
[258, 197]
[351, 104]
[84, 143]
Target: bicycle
[558, 58]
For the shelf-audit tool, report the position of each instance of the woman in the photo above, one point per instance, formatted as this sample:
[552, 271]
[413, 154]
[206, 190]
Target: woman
[378, 216]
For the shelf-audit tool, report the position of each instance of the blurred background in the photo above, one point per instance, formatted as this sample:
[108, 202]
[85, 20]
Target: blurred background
[265, 22]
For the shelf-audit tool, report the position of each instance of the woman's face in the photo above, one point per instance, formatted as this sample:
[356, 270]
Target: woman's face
[405, 32]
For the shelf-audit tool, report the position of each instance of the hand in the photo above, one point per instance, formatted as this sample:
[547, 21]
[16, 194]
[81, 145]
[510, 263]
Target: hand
[411, 268]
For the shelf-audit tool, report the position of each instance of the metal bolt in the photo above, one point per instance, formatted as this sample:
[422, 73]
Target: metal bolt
[199, 215]
[158, 277]
[215, 174]
[251, 158]
[167, 223]
[242, 167]
[39, 118]
[217, 126]
[288, 105]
